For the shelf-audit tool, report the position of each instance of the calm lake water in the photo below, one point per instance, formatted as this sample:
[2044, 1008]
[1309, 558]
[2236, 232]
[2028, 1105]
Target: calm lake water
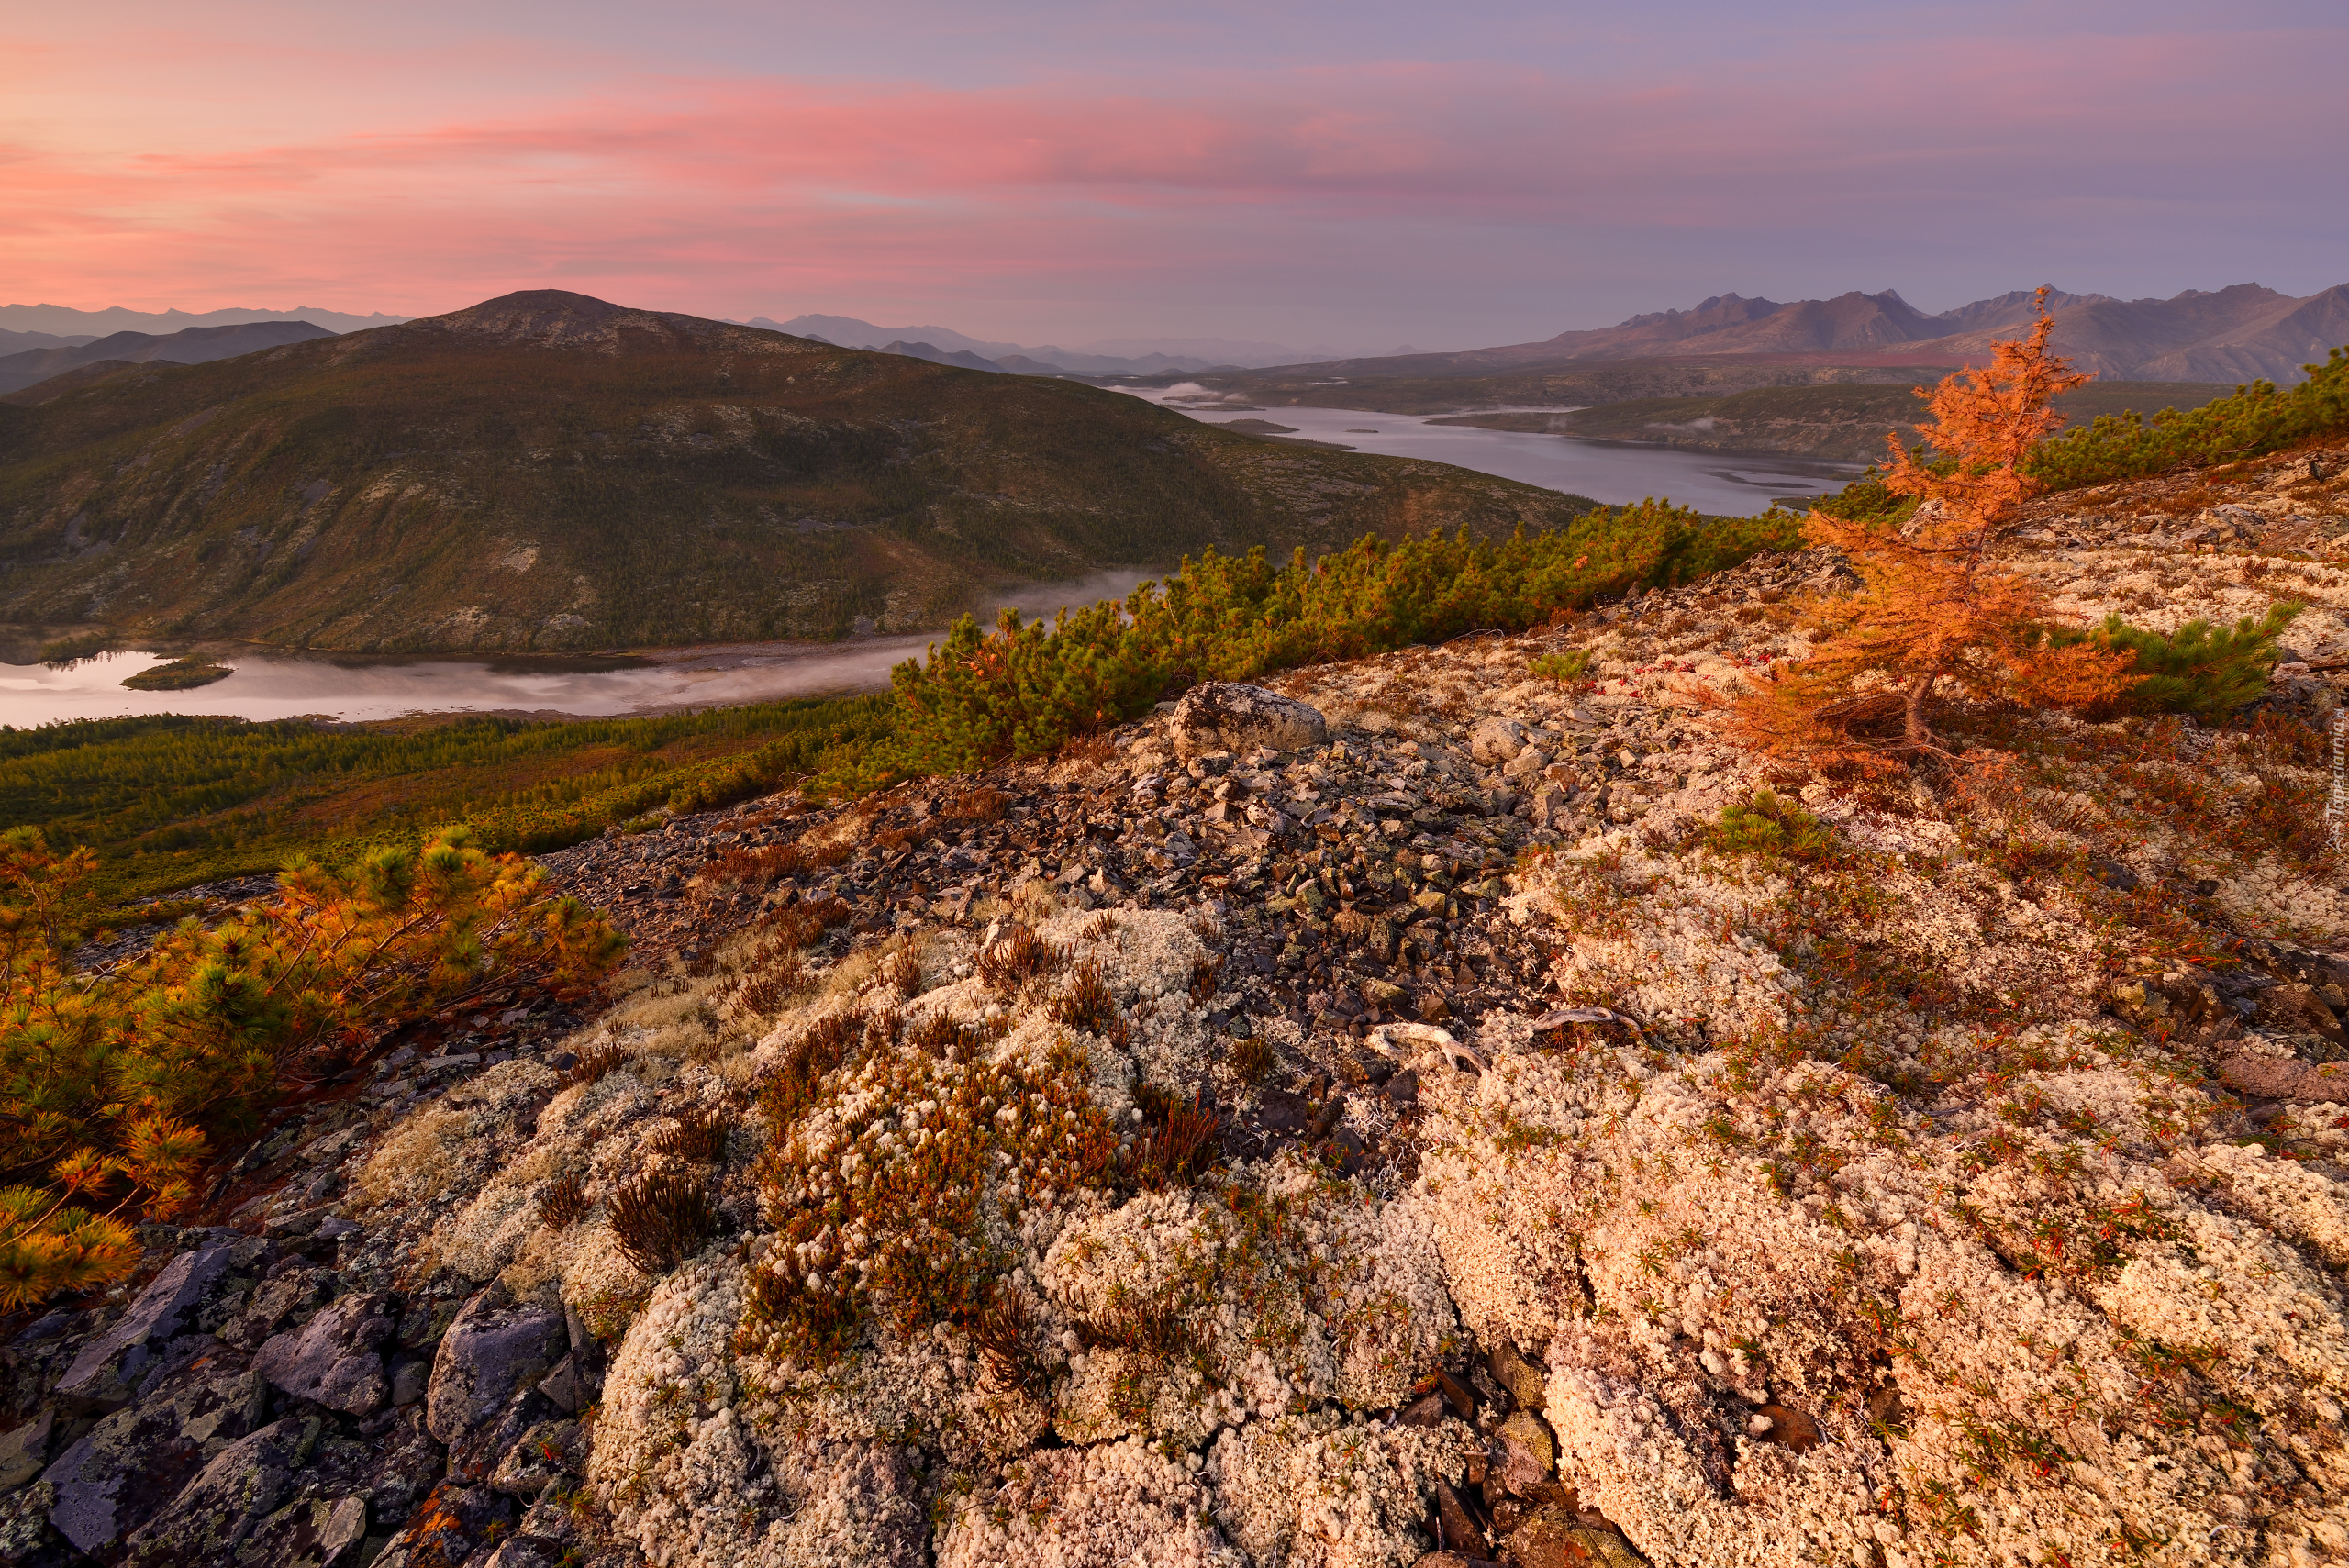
[1604, 471]
[282, 686]
[291, 686]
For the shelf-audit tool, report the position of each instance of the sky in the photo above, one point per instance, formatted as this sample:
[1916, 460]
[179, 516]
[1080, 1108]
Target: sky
[1359, 174]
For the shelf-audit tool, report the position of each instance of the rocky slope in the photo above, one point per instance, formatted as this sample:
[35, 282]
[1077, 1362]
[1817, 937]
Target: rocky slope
[1382, 1117]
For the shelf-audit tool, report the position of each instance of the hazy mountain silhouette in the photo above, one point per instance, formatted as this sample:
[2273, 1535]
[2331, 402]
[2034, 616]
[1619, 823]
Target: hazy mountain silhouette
[196, 346]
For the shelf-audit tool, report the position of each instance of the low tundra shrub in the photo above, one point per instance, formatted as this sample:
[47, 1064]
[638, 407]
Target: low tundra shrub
[1027, 689]
[2205, 670]
[112, 1086]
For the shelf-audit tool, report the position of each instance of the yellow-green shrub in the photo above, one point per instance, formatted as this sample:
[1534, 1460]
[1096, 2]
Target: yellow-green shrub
[112, 1085]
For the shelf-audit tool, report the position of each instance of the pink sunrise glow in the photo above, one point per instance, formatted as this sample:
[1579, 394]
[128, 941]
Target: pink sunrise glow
[1470, 198]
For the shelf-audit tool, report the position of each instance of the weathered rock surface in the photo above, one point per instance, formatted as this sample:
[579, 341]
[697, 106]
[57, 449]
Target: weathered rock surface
[494, 1350]
[107, 1369]
[335, 1359]
[1226, 716]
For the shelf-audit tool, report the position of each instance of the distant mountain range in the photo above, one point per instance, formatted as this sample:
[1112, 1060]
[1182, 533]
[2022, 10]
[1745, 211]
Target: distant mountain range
[1124, 356]
[192, 346]
[64, 322]
[2230, 334]
[17, 343]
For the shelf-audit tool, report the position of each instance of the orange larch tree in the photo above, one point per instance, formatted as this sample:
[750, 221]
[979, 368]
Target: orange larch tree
[1939, 620]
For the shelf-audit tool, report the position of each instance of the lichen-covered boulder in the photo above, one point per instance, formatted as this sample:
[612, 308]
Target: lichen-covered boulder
[1495, 741]
[216, 1513]
[128, 1467]
[335, 1358]
[109, 1367]
[1225, 715]
[490, 1351]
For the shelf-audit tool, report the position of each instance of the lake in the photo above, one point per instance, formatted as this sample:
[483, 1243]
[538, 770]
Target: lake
[1614, 472]
[291, 685]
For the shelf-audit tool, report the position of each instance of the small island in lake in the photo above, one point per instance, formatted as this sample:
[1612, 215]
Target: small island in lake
[179, 675]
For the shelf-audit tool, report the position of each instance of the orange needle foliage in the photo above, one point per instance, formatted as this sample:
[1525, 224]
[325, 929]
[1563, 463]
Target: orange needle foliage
[1939, 621]
[109, 1082]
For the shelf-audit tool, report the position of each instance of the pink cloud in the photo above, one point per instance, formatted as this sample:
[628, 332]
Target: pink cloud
[711, 194]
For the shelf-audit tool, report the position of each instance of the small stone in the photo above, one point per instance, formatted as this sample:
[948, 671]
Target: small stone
[1495, 739]
[23, 1450]
[1529, 1453]
[1426, 1410]
[562, 1386]
[1462, 1532]
[408, 1380]
[1555, 1537]
[1516, 1375]
[1785, 1427]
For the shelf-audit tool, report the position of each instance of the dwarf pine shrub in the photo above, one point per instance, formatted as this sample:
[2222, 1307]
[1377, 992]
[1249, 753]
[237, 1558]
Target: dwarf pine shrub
[2207, 672]
[1772, 825]
[1571, 665]
[112, 1086]
[1027, 689]
[2258, 419]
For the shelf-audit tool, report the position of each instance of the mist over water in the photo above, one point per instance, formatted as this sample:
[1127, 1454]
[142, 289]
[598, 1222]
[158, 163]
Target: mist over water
[287, 686]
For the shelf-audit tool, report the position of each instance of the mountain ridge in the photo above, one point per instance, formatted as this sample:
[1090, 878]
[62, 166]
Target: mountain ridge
[190, 346]
[2240, 332]
[67, 322]
[548, 471]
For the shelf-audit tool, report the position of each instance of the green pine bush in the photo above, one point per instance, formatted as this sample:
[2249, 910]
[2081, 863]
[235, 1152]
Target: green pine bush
[1027, 688]
[1770, 825]
[2207, 672]
[2258, 418]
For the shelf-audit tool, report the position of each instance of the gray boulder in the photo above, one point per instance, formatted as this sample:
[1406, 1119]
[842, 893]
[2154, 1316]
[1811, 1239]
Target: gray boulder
[106, 1373]
[548, 1452]
[1495, 741]
[313, 1532]
[213, 1513]
[490, 1351]
[124, 1469]
[282, 1301]
[1225, 715]
[335, 1359]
